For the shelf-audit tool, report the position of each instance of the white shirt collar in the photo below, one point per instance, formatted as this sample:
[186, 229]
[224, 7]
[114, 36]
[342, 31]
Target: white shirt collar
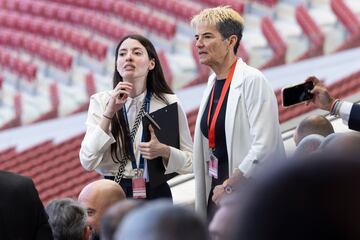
[138, 100]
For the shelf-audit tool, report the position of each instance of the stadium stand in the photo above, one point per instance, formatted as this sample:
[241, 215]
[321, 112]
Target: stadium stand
[55, 54]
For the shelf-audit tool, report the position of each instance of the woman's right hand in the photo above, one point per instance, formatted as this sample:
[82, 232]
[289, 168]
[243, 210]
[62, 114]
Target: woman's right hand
[118, 98]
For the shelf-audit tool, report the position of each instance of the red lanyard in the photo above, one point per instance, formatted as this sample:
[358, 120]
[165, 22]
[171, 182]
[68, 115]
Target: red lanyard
[211, 126]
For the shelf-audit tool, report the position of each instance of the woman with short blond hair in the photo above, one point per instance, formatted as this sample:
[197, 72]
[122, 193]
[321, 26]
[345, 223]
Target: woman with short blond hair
[237, 126]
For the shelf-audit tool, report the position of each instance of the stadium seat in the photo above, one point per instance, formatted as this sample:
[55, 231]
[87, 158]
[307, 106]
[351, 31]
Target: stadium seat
[350, 21]
[275, 41]
[312, 31]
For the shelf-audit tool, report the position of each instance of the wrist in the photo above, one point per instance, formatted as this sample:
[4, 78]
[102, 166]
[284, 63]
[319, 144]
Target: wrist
[109, 114]
[107, 117]
[331, 104]
[228, 188]
[332, 107]
[165, 151]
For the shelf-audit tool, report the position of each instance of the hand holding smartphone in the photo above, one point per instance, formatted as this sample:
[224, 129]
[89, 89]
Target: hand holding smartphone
[296, 94]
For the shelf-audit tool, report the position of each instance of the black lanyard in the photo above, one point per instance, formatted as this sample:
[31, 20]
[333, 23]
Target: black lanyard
[131, 148]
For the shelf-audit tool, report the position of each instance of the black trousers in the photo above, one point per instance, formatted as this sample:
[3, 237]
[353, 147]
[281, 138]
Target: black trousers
[160, 191]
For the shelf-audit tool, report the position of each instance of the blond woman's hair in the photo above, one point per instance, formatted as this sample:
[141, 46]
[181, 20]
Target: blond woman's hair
[213, 16]
[226, 20]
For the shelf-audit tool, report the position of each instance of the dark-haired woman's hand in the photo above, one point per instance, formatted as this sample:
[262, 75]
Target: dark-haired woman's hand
[154, 148]
[118, 98]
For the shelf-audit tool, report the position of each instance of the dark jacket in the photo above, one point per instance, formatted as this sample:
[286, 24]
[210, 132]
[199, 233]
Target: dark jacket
[354, 119]
[22, 214]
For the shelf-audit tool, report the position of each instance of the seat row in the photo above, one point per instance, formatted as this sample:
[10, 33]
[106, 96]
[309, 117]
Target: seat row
[127, 11]
[183, 10]
[237, 5]
[55, 168]
[36, 47]
[55, 30]
[17, 65]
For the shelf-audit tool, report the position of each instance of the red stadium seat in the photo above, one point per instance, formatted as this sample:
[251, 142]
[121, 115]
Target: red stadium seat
[107, 5]
[47, 29]
[95, 4]
[11, 5]
[38, 8]
[35, 26]
[275, 41]
[77, 17]
[313, 32]
[51, 11]
[64, 13]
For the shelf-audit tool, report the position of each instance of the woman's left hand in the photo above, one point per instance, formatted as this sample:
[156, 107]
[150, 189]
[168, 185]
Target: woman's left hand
[219, 190]
[218, 194]
[154, 148]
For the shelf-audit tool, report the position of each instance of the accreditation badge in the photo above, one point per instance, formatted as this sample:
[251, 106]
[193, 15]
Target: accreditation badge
[213, 164]
[138, 185]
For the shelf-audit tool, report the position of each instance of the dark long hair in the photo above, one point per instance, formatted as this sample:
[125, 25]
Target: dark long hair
[155, 82]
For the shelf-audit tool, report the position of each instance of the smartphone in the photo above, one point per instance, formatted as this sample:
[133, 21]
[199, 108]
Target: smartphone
[295, 94]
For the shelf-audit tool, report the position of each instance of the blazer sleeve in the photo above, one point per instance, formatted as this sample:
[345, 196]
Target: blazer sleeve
[96, 142]
[262, 111]
[354, 119]
[180, 160]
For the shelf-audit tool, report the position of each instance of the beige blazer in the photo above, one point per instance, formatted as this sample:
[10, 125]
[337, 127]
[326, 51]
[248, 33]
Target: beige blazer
[251, 129]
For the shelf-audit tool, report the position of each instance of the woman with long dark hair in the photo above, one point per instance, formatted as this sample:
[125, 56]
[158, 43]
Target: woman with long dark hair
[113, 143]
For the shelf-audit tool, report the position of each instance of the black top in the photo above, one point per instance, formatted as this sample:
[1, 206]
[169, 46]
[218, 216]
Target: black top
[220, 138]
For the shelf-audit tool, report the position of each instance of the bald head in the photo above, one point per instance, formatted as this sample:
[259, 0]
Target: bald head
[97, 197]
[316, 124]
[348, 143]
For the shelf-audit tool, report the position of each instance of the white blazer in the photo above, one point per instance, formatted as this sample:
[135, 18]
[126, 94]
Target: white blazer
[251, 128]
[95, 153]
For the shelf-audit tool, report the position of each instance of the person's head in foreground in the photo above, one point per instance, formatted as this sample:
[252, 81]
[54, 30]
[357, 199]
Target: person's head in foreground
[161, 220]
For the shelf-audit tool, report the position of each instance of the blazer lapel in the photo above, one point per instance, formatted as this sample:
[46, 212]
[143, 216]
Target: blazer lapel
[232, 104]
[206, 95]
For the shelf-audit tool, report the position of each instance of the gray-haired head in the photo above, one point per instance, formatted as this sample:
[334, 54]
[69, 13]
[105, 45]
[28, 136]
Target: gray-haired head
[161, 220]
[308, 145]
[67, 219]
